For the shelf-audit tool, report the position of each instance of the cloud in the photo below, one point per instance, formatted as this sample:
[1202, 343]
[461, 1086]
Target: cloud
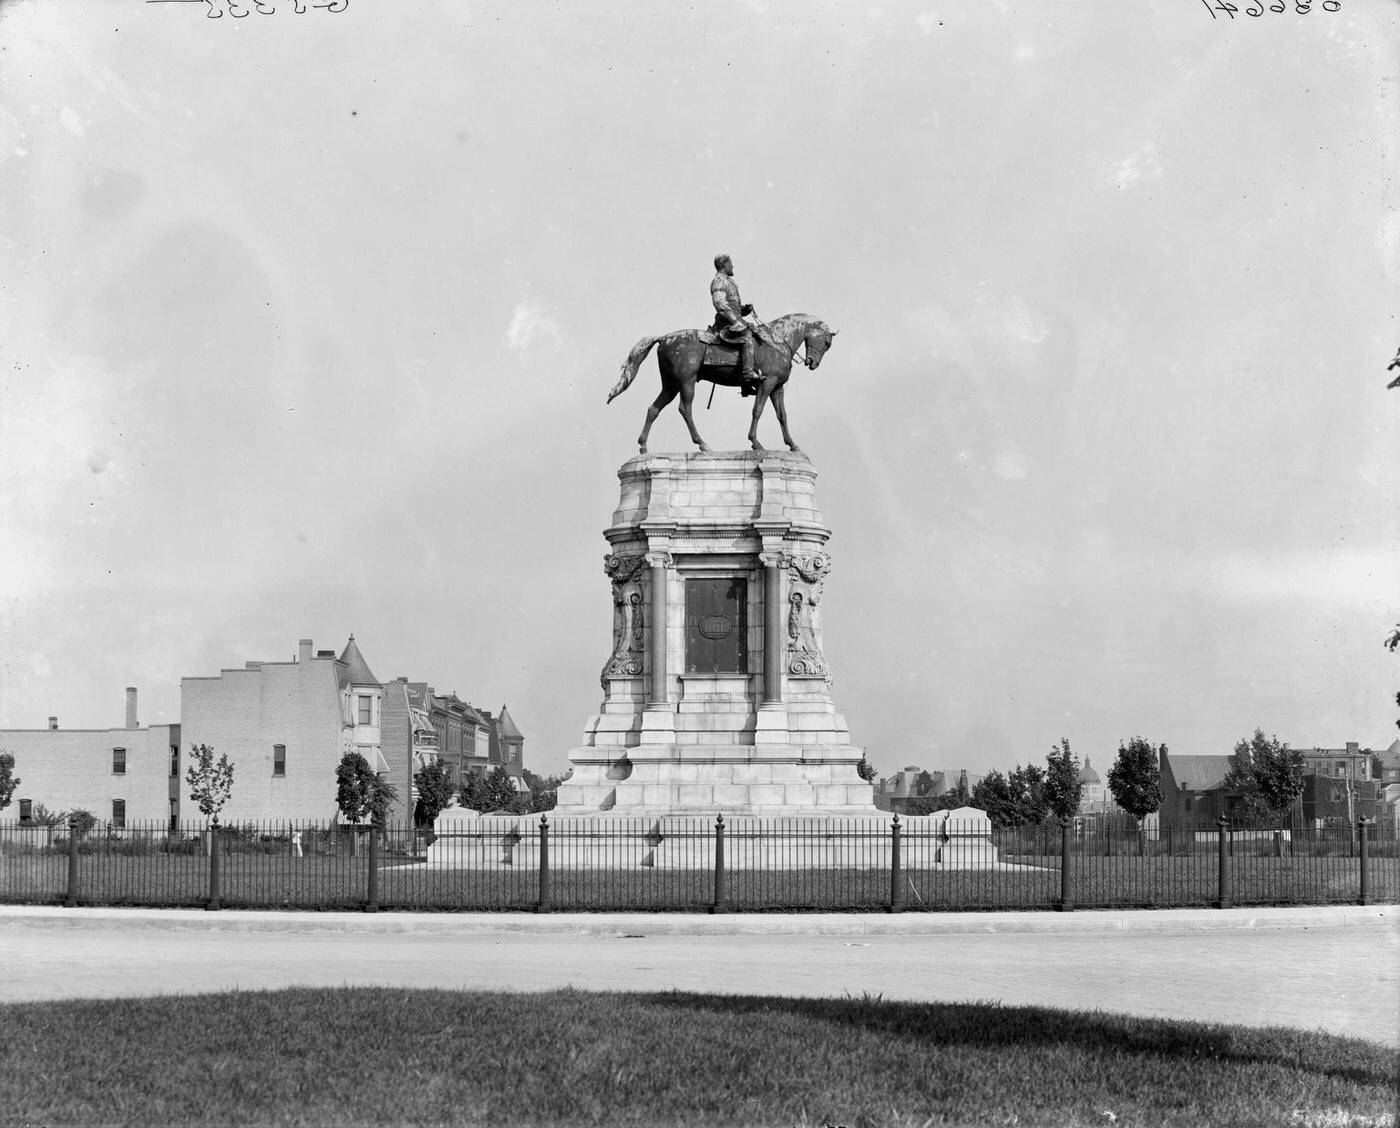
[528, 324]
[1142, 163]
[1339, 578]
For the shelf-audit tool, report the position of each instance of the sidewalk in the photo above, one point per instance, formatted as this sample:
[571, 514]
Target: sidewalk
[1160, 921]
[1336, 969]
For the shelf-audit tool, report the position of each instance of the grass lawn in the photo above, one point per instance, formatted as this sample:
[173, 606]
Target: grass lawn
[389, 1056]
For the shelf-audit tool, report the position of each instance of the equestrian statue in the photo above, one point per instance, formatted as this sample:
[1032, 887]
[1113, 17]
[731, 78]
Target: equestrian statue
[737, 351]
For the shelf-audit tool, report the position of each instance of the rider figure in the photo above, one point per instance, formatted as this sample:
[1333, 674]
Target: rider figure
[734, 321]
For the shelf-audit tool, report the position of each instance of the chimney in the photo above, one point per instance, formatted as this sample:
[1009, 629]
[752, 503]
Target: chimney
[131, 722]
[53, 724]
[304, 650]
[1353, 747]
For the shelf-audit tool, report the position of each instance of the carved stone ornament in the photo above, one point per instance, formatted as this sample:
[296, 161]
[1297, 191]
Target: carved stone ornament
[629, 628]
[804, 645]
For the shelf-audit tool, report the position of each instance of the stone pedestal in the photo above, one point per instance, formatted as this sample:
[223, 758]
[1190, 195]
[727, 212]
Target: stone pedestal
[717, 692]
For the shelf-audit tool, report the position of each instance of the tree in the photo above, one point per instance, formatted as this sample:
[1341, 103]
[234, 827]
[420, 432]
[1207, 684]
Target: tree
[1063, 787]
[993, 795]
[491, 792]
[210, 783]
[8, 780]
[866, 770]
[1135, 780]
[434, 784]
[1268, 777]
[544, 791]
[1027, 787]
[1392, 643]
[360, 793]
[81, 822]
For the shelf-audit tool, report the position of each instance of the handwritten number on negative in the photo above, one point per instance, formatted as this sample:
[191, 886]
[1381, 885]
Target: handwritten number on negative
[1255, 8]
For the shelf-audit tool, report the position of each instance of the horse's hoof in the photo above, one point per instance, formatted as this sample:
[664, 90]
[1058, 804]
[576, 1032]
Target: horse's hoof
[641, 448]
[757, 445]
[704, 447]
[794, 448]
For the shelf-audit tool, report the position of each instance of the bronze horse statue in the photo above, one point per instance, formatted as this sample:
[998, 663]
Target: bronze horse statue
[686, 357]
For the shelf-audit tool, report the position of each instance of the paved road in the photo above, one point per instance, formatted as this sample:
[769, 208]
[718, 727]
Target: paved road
[1333, 969]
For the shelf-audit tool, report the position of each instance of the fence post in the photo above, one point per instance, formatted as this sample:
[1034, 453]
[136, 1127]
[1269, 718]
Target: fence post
[897, 896]
[72, 901]
[721, 901]
[1066, 897]
[213, 903]
[542, 905]
[1222, 901]
[372, 893]
[1361, 828]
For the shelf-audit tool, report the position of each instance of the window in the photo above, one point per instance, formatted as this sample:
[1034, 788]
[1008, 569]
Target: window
[279, 759]
[1341, 767]
[174, 761]
[26, 810]
[174, 816]
[118, 814]
[119, 761]
[366, 710]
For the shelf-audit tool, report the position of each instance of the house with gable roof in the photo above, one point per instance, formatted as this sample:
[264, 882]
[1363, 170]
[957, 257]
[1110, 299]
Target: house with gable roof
[1194, 795]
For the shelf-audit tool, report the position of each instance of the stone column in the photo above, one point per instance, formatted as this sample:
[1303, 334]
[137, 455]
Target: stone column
[774, 613]
[657, 694]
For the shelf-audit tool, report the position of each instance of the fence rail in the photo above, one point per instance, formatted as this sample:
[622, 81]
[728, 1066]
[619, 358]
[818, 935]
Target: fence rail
[749, 866]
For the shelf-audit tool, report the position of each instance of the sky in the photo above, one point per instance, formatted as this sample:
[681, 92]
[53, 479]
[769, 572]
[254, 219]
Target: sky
[309, 320]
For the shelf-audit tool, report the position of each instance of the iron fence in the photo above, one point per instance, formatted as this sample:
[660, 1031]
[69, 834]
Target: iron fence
[698, 864]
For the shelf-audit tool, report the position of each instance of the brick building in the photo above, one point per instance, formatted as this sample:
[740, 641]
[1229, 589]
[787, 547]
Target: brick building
[121, 775]
[285, 727]
[422, 726]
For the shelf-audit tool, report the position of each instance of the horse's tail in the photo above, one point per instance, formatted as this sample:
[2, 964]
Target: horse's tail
[629, 369]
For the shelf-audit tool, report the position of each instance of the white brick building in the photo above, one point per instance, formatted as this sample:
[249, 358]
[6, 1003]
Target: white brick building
[285, 726]
[120, 775]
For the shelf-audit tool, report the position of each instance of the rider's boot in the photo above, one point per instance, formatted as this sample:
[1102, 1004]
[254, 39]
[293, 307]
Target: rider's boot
[748, 379]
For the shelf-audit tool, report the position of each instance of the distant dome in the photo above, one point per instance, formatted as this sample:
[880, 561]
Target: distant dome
[1087, 774]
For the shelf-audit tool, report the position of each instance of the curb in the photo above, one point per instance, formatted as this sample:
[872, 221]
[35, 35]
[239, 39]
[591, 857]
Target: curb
[1158, 922]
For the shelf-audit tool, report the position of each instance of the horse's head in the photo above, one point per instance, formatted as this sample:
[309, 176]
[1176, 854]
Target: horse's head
[817, 340]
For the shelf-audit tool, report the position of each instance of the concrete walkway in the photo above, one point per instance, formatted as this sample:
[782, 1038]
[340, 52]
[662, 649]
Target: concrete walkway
[1334, 968]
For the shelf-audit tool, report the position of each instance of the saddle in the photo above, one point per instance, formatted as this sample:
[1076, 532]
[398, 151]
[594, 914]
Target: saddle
[718, 352]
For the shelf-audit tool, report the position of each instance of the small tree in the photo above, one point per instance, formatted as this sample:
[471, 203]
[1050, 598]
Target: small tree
[491, 792]
[866, 770]
[544, 790]
[81, 821]
[1027, 787]
[1135, 780]
[8, 780]
[210, 783]
[42, 816]
[1268, 777]
[993, 795]
[434, 783]
[1063, 787]
[360, 793]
